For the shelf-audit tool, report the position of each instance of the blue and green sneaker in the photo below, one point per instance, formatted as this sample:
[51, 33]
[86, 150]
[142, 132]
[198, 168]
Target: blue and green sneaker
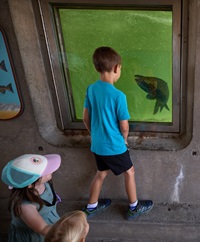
[102, 204]
[142, 207]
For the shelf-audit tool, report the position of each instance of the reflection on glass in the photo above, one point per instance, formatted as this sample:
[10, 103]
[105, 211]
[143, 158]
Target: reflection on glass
[144, 40]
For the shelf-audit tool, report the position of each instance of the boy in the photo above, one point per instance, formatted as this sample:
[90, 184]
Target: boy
[105, 116]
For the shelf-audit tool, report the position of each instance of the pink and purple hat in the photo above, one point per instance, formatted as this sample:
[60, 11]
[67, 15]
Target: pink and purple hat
[27, 168]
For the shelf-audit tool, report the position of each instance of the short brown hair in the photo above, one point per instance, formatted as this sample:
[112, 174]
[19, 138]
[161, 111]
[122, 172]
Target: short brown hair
[105, 58]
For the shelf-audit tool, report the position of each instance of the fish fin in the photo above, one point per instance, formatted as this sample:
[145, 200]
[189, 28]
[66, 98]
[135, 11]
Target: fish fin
[3, 91]
[161, 107]
[156, 108]
[3, 66]
[167, 107]
[150, 97]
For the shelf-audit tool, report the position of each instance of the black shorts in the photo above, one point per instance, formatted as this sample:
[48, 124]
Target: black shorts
[116, 163]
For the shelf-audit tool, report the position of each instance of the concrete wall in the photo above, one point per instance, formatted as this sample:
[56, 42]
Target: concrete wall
[164, 176]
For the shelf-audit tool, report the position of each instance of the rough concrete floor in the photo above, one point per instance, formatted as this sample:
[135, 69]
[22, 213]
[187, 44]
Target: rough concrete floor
[164, 223]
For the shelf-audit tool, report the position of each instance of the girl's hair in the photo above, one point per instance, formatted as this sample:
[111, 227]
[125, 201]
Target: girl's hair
[72, 227]
[105, 58]
[18, 195]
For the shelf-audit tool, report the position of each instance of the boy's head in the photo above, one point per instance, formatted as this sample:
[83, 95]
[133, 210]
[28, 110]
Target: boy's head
[105, 59]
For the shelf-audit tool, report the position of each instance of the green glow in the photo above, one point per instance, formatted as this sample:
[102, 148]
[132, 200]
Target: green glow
[143, 39]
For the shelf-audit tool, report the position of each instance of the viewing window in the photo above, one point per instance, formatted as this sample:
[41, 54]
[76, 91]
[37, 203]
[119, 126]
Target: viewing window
[149, 38]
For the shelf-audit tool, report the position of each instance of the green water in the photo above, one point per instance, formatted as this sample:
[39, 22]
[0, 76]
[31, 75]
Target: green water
[142, 38]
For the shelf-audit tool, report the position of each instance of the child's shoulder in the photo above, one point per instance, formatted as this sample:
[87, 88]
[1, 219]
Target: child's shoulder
[119, 92]
[26, 202]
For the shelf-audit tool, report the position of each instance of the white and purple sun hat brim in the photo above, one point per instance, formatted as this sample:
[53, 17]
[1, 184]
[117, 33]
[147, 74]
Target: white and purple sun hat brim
[26, 169]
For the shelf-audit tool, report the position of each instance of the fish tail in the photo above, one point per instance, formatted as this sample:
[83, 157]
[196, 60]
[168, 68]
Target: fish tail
[156, 108]
[167, 107]
[9, 86]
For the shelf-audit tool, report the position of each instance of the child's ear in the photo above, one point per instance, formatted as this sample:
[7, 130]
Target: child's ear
[115, 68]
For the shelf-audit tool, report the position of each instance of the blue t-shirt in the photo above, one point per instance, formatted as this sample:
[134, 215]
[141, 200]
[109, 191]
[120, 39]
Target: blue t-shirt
[107, 106]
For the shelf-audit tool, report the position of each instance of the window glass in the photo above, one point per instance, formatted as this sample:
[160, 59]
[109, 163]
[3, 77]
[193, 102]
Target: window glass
[144, 40]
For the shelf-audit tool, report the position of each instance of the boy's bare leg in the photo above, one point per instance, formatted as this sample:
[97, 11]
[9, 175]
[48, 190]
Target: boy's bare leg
[95, 187]
[130, 185]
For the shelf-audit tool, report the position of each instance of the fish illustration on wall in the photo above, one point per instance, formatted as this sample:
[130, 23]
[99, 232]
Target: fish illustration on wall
[3, 66]
[3, 89]
[156, 89]
[10, 97]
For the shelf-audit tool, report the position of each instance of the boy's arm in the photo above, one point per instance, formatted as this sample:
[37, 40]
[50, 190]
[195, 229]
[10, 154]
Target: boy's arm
[124, 128]
[86, 119]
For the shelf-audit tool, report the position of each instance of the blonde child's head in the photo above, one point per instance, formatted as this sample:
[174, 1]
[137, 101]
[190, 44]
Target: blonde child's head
[72, 227]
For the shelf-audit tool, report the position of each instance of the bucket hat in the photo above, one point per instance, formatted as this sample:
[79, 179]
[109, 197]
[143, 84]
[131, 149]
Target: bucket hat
[26, 169]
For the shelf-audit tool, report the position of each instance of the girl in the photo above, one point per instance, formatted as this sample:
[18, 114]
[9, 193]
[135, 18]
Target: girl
[72, 227]
[32, 201]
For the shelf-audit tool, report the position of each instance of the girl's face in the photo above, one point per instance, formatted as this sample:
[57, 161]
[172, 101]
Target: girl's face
[45, 179]
[41, 181]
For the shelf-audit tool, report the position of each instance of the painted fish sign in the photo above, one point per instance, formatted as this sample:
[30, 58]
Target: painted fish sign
[10, 101]
[156, 89]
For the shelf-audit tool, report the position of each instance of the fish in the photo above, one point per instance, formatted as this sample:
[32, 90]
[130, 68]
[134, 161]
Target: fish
[3, 89]
[3, 66]
[156, 89]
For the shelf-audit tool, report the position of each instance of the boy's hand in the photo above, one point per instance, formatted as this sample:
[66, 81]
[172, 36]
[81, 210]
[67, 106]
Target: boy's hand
[126, 143]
